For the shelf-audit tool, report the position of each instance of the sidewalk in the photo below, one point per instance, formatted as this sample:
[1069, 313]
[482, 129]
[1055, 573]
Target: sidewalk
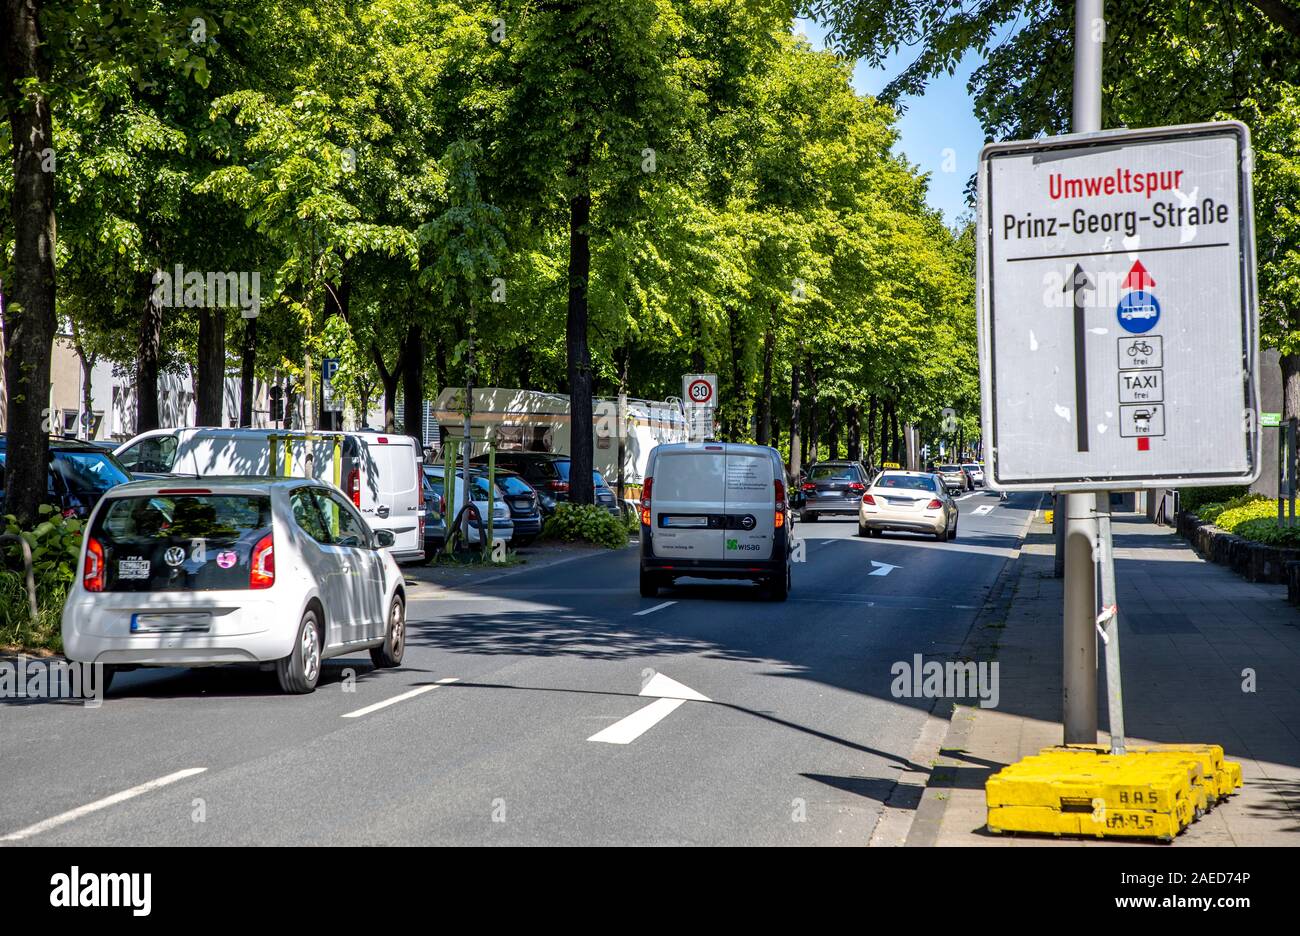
[1189, 630]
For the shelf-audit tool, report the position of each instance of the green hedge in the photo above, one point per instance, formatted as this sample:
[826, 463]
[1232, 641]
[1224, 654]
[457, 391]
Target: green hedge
[56, 547]
[587, 523]
[1193, 499]
[1211, 512]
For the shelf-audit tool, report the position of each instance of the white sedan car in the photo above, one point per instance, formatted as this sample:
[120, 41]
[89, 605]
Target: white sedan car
[911, 501]
[279, 572]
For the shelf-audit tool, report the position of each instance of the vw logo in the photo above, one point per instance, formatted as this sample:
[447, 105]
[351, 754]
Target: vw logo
[747, 522]
[174, 556]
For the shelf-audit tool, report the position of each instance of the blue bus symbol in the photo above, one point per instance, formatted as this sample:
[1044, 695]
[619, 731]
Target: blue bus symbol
[1138, 312]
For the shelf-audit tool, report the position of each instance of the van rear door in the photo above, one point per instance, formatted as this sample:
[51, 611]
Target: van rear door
[687, 503]
[390, 490]
[750, 506]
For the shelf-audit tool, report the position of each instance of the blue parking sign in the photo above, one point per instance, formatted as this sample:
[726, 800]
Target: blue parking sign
[1138, 312]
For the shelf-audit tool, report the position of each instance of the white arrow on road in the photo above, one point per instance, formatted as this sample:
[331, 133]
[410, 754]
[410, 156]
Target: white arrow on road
[881, 568]
[983, 509]
[668, 695]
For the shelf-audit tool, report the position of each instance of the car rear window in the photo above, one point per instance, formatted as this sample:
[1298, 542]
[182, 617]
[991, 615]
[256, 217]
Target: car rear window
[905, 482]
[88, 471]
[833, 473]
[949, 468]
[512, 485]
[180, 542]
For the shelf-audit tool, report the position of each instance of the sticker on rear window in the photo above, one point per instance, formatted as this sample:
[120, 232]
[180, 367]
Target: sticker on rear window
[226, 559]
[133, 568]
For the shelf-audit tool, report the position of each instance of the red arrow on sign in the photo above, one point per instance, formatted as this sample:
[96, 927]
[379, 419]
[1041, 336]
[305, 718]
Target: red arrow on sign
[1138, 278]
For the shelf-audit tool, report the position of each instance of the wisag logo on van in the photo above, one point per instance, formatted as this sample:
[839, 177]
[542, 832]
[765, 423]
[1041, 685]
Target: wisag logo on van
[747, 547]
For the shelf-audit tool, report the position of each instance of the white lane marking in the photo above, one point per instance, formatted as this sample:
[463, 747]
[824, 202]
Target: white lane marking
[627, 730]
[983, 509]
[658, 607]
[419, 690]
[881, 568]
[670, 695]
[73, 814]
[665, 687]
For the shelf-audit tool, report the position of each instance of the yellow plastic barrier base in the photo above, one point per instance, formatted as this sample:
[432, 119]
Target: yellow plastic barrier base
[1048, 516]
[1151, 792]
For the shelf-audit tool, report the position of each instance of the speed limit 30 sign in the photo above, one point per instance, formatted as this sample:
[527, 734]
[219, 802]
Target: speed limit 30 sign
[1118, 326]
[700, 389]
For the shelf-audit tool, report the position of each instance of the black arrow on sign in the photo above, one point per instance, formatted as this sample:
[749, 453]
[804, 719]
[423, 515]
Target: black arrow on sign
[1078, 281]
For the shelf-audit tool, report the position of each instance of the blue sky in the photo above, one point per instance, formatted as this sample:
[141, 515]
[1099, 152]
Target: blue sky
[940, 120]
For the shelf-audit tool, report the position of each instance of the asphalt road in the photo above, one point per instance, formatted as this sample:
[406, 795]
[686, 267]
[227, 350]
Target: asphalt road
[801, 740]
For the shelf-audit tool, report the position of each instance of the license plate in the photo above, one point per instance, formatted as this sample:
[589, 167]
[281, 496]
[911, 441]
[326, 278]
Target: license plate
[522, 503]
[901, 501]
[153, 623]
[687, 522]
[134, 568]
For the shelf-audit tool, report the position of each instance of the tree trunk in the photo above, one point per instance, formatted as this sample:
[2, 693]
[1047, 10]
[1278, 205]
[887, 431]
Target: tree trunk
[833, 434]
[765, 395]
[29, 308]
[248, 357]
[739, 404]
[895, 439]
[854, 433]
[697, 339]
[87, 394]
[796, 422]
[871, 432]
[810, 444]
[211, 377]
[581, 453]
[389, 380]
[413, 384]
[146, 373]
[1290, 386]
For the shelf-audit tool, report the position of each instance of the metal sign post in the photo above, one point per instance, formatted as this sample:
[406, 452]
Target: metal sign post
[1118, 333]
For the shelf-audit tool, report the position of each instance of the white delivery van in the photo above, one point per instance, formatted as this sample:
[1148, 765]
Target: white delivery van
[380, 472]
[715, 510]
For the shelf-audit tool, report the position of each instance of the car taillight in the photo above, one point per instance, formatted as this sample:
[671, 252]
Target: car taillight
[261, 572]
[645, 501]
[559, 487]
[868, 499]
[92, 577]
[778, 519]
[354, 486]
[856, 486]
[934, 504]
[810, 486]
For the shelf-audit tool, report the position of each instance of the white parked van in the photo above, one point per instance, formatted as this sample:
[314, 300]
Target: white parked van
[378, 471]
[715, 510]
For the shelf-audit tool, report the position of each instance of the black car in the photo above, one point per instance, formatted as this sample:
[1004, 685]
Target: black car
[833, 487]
[548, 473]
[525, 506]
[80, 472]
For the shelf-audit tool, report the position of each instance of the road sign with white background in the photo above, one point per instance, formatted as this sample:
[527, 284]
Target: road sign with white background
[700, 400]
[1118, 328]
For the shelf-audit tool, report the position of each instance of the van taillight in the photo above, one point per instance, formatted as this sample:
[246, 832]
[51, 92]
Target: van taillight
[779, 518]
[92, 578]
[645, 501]
[261, 571]
[354, 486]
